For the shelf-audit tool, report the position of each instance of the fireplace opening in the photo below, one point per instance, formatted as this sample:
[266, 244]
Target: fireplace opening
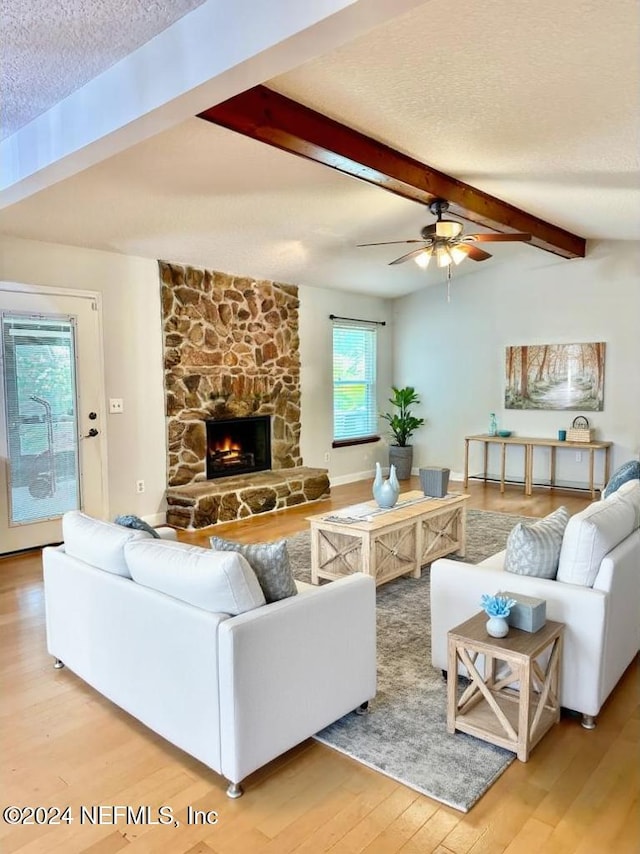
[238, 445]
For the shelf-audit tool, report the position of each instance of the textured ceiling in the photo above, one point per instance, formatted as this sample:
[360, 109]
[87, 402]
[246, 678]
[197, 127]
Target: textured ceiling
[50, 49]
[534, 103]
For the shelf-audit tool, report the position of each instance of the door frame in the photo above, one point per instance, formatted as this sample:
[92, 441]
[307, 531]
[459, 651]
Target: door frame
[95, 297]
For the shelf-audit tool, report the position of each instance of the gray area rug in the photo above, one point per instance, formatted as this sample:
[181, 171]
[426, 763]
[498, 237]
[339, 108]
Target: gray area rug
[405, 734]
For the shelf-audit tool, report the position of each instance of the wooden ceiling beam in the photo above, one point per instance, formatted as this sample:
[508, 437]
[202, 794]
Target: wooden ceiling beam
[277, 120]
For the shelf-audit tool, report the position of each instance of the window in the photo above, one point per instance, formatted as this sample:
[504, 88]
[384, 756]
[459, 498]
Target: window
[355, 416]
[40, 410]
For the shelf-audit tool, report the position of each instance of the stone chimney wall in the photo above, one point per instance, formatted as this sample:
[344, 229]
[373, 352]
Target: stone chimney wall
[231, 348]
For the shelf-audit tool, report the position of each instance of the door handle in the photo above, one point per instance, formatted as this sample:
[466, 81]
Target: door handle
[93, 432]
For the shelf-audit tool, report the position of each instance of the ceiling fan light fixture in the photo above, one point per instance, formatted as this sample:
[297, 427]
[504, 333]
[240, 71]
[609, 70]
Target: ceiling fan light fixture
[443, 257]
[457, 254]
[448, 228]
[422, 260]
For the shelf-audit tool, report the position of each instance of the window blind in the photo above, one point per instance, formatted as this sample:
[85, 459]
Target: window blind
[354, 380]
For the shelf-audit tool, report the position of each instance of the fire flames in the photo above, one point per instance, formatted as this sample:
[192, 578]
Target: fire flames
[227, 448]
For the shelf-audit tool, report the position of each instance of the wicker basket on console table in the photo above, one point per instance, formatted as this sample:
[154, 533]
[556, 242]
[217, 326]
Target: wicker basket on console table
[580, 430]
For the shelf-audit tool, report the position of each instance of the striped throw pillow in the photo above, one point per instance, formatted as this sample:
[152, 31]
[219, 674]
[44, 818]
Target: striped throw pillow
[535, 549]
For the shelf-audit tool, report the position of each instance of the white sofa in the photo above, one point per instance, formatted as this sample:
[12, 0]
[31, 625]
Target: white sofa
[232, 691]
[596, 594]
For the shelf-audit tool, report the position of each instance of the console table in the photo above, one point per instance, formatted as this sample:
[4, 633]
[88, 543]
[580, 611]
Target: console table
[529, 444]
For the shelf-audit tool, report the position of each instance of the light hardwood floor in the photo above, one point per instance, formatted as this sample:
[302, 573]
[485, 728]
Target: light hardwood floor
[63, 744]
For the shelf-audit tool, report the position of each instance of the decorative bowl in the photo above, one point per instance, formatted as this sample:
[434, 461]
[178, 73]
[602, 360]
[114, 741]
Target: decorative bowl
[504, 433]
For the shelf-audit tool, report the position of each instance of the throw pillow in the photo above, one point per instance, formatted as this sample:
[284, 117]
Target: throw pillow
[590, 535]
[137, 524]
[221, 583]
[535, 549]
[269, 561]
[627, 471]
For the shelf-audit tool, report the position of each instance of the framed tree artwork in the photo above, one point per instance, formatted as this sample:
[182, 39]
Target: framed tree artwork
[555, 376]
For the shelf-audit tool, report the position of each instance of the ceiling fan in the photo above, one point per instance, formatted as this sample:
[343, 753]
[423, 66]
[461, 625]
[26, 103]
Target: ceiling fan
[445, 240]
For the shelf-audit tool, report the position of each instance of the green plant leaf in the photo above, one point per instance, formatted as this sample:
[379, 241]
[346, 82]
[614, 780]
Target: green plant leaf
[402, 423]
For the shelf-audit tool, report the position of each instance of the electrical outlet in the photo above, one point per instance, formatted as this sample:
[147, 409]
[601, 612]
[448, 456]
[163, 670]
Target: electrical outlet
[327, 457]
[578, 456]
[139, 485]
[116, 406]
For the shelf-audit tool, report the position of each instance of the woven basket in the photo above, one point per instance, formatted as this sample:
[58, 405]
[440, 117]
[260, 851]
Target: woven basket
[580, 434]
[580, 430]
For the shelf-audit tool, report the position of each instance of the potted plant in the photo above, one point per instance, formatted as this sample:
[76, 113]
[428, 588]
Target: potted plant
[403, 424]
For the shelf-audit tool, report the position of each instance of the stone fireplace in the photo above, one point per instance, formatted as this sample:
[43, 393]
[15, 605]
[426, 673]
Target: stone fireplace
[231, 351]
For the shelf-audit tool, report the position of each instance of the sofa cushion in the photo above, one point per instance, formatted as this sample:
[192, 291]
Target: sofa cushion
[534, 549]
[590, 535]
[100, 544]
[269, 561]
[627, 471]
[222, 583]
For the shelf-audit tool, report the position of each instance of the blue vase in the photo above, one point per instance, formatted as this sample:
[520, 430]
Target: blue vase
[386, 492]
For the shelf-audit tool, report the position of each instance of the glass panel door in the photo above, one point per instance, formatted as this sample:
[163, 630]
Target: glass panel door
[39, 355]
[52, 429]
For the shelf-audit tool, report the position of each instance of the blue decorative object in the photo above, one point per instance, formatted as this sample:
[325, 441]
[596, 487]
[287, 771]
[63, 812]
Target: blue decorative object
[137, 523]
[493, 425]
[498, 609]
[386, 492]
[627, 471]
[497, 606]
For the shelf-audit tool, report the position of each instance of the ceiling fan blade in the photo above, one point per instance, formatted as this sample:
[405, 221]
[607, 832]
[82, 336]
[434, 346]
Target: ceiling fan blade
[389, 242]
[498, 238]
[473, 252]
[409, 255]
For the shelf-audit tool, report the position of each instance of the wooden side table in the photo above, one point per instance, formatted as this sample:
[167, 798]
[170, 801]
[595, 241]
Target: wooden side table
[514, 718]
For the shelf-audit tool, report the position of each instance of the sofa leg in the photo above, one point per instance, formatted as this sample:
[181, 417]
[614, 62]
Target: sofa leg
[588, 722]
[234, 790]
[58, 664]
[363, 708]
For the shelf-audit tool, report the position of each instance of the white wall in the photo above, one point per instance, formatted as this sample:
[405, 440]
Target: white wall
[136, 444]
[136, 440]
[454, 352]
[316, 347]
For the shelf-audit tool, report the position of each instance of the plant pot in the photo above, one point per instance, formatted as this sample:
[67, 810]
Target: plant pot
[402, 458]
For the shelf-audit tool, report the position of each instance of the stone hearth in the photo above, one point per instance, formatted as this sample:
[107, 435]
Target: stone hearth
[198, 505]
